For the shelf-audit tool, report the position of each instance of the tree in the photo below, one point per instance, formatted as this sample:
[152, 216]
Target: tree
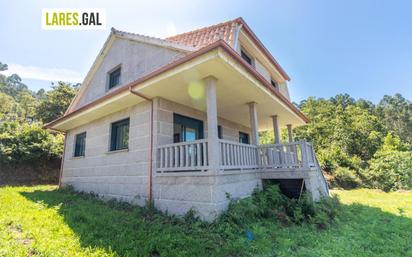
[11, 85]
[28, 105]
[7, 106]
[3, 66]
[344, 132]
[40, 94]
[396, 113]
[56, 102]
[391, 166]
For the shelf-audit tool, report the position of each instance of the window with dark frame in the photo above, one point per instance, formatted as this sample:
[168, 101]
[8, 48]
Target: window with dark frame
[274, 84]
[119, 138]
[186, 129]
[80, 145]
[114, 78]
[246, 57]
[219, 132]
[243, 138]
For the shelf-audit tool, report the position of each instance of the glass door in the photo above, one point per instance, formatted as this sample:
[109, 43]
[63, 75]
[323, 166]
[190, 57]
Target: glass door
[186, 129]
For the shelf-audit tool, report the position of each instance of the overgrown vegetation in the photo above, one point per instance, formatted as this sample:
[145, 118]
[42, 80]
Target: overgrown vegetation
[44, 221]
[22, 115]
[271, 204]
[354, 139]
[28, 143]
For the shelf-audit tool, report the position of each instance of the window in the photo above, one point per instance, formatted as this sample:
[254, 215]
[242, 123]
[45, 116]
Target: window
[243, 138]
[114, 78]
[80, 144]
[274, 84]
[219, 132]
[119, 138]
[186, 129]
[246, 57]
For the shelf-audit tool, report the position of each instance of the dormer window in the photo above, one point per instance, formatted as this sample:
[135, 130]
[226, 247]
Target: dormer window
[114, 77]
[274, 84]
[246, 57]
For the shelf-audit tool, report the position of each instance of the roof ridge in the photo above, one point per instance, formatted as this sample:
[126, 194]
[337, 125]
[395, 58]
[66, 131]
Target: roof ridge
[120, 32]
[204, 28]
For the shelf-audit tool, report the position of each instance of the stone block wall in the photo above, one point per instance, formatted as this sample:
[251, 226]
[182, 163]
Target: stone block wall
[207, 193]
[41, 172]
[120, 174]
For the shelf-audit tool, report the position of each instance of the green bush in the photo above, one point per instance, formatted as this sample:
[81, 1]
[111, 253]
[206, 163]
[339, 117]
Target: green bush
[391, 170]
[28, 143]
[346, 178]
[332, 158]
[271, 204]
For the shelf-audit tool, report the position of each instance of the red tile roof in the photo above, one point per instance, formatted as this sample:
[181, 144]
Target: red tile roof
[208, 35]
[226, 32]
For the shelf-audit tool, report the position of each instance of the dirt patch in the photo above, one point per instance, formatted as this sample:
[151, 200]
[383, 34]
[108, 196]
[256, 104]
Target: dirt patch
[404, 191]
[18, 234]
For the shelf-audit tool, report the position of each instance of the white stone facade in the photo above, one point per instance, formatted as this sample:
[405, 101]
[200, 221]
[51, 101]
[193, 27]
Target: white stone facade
[136, 59]
[123, 174]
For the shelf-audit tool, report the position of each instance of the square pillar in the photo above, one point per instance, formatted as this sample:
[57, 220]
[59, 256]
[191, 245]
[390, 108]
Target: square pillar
[212, 133]
[290, 133]
[275, 129]
[254, 123]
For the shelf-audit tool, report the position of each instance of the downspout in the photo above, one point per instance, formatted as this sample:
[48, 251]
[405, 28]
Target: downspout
[62, 163]
[150, 175]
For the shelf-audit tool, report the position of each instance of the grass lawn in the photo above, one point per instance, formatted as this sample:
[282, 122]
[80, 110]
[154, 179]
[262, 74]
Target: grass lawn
[42, 221]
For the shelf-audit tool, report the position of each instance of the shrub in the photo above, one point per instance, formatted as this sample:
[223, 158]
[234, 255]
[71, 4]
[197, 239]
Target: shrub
[271, 204]
[331, 159]
[28, 143]
[346, 178]
[390, 170]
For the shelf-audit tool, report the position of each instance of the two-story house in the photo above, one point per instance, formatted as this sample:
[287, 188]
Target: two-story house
[176, 121]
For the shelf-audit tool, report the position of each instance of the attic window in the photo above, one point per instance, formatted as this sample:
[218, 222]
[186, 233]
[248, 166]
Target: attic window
[246, 57]
[274, 84]
[114, 78]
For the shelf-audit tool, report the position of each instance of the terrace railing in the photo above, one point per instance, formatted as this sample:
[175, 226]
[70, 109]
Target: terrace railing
[234, 155]
[290, 155]
[185, 156]
[193, 156]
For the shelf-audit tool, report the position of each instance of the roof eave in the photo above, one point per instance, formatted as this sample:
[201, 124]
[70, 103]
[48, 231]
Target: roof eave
[262, 47]
[213, 46]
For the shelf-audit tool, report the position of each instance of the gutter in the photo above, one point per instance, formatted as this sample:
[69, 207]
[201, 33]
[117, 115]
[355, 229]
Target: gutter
[150, 171]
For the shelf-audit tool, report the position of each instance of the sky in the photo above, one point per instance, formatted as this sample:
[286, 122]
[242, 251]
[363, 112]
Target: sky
[361, 47]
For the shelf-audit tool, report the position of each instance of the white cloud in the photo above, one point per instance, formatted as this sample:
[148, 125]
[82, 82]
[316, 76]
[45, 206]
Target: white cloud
[47, 74]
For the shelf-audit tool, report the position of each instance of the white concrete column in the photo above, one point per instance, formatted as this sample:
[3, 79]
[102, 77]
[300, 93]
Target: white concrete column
[212, 134]
[290, 132]
[276, 129]
[254, 123]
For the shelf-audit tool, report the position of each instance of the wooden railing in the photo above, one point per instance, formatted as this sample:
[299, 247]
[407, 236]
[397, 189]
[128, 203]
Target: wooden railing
[185, 156]
[289, 155]
[234, 155]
